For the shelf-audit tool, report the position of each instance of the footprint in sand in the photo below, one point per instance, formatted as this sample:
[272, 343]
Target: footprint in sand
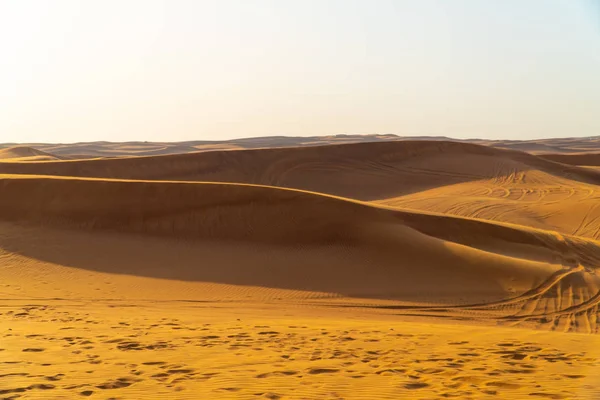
[154, 363]
[504, 385]
[316, 371]
[54, 378]
[557, 396]
[117, 384]
[277, 373]
[416, 385]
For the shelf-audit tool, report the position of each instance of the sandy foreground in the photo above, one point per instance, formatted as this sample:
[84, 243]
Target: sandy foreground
[406, 269]
[218, 350]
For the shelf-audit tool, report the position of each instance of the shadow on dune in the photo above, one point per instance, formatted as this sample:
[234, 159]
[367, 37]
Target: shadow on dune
[423, 271]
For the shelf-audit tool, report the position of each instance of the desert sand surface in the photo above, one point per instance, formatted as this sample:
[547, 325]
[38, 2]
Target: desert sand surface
[350, 268]
[206, 350]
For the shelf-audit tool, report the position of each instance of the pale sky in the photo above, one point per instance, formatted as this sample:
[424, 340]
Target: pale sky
[184, 70]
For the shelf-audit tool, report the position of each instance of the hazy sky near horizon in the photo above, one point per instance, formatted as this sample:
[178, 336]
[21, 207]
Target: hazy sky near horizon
[182, 70]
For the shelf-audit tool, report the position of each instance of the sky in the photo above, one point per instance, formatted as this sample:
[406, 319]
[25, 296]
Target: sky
[119, 70]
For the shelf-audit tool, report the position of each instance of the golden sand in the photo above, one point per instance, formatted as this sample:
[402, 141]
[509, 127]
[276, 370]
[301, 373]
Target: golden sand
[407, 269]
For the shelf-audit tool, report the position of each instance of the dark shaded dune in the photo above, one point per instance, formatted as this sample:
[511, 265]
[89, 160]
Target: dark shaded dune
[211, 211]
[587, 159]
[365, 171]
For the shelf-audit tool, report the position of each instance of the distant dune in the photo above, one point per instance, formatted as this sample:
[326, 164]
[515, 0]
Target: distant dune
[128, 149]
[23, 153]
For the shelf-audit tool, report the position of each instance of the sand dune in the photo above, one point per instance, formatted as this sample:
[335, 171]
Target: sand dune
[380, 252]
[164, 195]
[446, 177]
[335, 269]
